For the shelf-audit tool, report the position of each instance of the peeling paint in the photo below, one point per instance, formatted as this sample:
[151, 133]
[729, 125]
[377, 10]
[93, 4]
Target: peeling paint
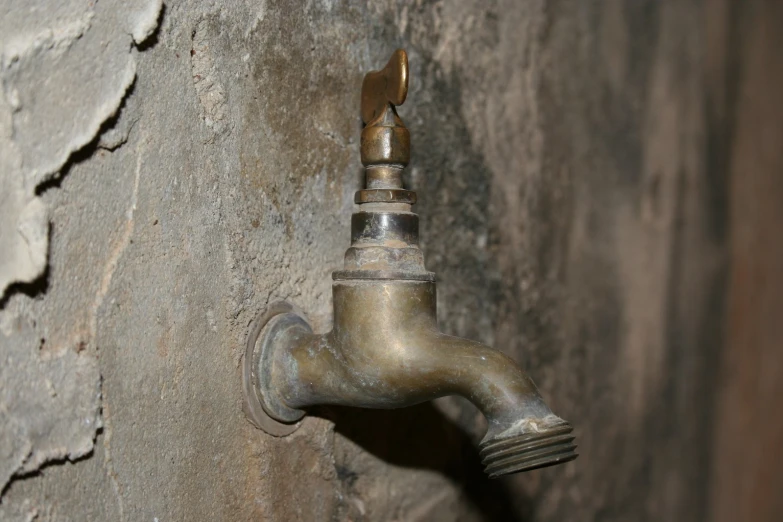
[42, 124]
[49, 405]
[64, 71]
[143, 19]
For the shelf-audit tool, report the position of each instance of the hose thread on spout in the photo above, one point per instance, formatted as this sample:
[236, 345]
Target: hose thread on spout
[528, 451]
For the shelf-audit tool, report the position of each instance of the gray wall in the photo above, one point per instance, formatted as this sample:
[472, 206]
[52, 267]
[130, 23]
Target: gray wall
[168, 170]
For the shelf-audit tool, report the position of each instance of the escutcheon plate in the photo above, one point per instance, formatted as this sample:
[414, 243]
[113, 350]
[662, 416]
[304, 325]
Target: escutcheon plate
[270, 331]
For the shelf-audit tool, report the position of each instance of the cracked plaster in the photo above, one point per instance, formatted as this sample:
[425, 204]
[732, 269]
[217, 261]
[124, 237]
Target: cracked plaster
[64, 71]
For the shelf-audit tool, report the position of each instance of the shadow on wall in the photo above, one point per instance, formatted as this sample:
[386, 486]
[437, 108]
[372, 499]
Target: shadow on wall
[421, 437]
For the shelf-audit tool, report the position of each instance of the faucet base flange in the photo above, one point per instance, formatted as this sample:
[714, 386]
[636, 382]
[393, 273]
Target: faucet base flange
[271, 330]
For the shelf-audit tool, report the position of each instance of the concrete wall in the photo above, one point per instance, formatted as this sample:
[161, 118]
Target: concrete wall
[168, 170]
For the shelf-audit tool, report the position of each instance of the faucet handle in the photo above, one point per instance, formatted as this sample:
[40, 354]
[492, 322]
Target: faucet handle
[386, 142]
[389, 85]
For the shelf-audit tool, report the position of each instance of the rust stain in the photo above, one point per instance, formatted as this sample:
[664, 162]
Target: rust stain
[163, 344]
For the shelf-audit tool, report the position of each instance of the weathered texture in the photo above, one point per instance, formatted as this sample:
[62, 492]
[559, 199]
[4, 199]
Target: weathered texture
[49, 405]
[64, 72]
[747, 77]
[193, 162]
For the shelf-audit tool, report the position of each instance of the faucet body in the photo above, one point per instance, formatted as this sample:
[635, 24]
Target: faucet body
[385, 349]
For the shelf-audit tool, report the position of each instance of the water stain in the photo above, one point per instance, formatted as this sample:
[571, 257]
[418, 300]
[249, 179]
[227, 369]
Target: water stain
[305, 87]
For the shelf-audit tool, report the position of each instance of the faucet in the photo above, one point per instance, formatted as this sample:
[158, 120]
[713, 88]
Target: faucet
[385, 349]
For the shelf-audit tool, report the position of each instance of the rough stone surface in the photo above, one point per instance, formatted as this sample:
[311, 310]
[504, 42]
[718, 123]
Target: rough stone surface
[168, 170]
[64, 71]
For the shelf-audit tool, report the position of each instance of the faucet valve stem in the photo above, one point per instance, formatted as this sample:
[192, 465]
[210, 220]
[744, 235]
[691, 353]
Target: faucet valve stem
[386, 142]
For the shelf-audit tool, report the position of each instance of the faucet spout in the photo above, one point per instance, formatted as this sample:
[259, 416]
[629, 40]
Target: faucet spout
[385, 351]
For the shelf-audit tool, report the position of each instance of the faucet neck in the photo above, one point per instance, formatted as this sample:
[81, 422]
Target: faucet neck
[384, 230]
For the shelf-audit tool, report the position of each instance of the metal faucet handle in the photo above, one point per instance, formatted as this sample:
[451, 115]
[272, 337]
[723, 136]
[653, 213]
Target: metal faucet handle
[386, 143]
[389, 85]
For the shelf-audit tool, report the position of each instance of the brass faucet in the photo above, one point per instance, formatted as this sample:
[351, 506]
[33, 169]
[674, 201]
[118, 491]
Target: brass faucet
[385, 350]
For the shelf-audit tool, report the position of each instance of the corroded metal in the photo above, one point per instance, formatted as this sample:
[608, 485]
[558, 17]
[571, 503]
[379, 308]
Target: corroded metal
[258, 352]
[385, 140]
[384, 87]
[383, 195]
[385, 349]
